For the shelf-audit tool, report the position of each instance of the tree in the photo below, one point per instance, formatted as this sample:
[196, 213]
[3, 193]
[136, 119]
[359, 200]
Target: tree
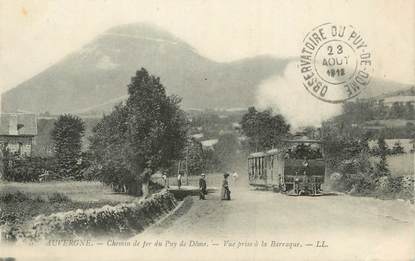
[226, 151]
[263, 129]
[348, 154]
[67, 137]
[195, 161]
[409, 111]
[383, 151]
[359, 111]
[397, 111]
[381, 112]
[341, 149]
[108, 146]
[397, 148]
[148, 132]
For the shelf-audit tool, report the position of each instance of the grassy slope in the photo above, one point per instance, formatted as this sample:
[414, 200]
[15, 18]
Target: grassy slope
[81, 195]
[82, 191]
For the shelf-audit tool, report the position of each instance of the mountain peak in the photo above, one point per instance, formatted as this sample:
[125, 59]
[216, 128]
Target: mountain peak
[95, 76]
[142, 30]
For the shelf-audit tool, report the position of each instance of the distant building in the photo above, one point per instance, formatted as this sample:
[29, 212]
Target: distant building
[223, 132]
[236, 125]
[209, 144]
[17, 132]
[197, 136]
[402, 100]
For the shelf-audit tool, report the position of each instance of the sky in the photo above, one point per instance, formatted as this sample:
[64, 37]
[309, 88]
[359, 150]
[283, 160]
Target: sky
[35, 34]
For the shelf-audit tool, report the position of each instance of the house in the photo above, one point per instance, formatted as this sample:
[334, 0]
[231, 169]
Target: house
[17, 132]
[236, 125]
[197, 136]
[209, 144]
[402, 100]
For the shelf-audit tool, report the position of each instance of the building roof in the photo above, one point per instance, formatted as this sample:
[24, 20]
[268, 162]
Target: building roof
[209, 143]
[302, 140]
[257, 154]
[274, 151]
[198, 136]
[18, 124]
[236, 125]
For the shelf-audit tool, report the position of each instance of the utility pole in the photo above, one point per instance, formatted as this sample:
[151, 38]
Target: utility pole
[187, 169]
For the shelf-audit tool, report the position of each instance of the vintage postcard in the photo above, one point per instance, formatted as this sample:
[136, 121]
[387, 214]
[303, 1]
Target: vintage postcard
[207, 130]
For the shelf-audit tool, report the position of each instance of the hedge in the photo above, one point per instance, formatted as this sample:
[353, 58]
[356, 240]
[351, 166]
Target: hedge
[122, 220]
[26, 169]
[36, 169]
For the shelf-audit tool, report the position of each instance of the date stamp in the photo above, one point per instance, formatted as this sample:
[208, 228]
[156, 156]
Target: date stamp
[335, 62]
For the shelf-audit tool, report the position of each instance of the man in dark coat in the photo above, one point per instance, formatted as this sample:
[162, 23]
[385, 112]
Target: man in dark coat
[225, 191]
[202, 187]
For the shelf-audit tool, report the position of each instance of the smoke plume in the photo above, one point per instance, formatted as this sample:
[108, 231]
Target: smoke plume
[286, 95]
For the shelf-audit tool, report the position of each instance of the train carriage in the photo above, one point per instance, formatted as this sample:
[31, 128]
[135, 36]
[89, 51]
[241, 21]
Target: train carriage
[297, 168]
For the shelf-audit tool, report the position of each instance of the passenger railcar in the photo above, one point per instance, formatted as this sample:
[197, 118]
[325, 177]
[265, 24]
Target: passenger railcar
[297, 168]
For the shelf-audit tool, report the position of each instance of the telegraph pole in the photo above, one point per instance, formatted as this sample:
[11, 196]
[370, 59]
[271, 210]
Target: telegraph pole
[187, 169]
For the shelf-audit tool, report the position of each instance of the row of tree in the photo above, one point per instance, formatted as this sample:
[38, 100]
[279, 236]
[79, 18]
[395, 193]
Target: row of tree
[149, 133]
[382, 148]
[361, 111]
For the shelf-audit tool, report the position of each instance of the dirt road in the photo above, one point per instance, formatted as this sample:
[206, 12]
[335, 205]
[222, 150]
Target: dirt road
[352, 228]
[260, 225]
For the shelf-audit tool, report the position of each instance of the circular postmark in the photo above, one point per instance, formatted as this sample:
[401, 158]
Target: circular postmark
[335, 62]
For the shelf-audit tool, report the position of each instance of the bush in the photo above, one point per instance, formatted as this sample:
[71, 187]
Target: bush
[397, 187]
[67, 137]
[358, 183]
[38, 169]
[27, 169]
[15, 196]
[370, 184]
[12, 198]
[121, 220]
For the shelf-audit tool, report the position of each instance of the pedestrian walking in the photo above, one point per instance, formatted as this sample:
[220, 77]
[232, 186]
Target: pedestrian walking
[225, 191]
[202, 187]
[235, 177]
[179, 180]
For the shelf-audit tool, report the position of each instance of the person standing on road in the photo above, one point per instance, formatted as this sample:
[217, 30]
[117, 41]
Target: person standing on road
[202, 187]
[146, 182]
[306, 169]
[235, 177]
[225, 191]
[164, 178]
[179, 180]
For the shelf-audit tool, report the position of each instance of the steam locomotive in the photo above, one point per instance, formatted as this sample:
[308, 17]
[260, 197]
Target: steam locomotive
[297, 168]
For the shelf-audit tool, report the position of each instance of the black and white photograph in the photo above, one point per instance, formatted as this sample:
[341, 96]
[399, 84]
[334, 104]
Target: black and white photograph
[207, 130]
